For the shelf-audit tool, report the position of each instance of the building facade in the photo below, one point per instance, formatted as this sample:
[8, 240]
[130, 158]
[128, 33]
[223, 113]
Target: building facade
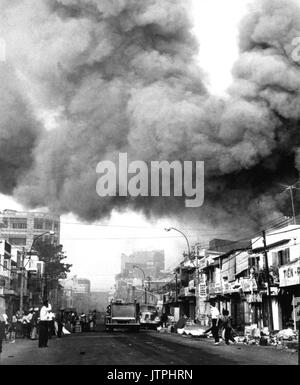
[76, 294]
[21, 228]
[257, 282]
[142, 277]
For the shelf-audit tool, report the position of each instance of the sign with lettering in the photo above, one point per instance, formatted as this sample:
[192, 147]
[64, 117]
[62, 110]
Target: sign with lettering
[289, 275]
[202, 290]
[254, 298]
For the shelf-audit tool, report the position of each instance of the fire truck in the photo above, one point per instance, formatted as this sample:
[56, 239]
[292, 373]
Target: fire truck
[122, 315]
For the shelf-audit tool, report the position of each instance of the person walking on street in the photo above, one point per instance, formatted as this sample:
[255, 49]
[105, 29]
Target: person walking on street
[34, 325]
[51, 325]
[13, 328]
[25, 325]
[215, 315]
[2, 331]
[60, 322]
[44, 324]
[226, 321]
[29, 323]
[164, 320]
[94, 314]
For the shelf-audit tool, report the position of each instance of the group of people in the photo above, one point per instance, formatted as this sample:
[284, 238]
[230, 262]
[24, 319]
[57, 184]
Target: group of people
[221, 322]
[43, 323]
[34, 324]
[83, 322]
[21, 325]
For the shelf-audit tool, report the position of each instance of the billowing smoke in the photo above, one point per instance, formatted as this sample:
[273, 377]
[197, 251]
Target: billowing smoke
[122, 76]
[18, 131]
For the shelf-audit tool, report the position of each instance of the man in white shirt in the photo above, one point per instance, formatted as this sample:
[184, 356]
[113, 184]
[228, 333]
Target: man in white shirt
[215, 315]
[44, 324]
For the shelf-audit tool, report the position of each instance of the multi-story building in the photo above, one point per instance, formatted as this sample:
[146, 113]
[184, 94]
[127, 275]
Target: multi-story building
[5, 269]
[152, 262]
[21, 228]
[283, 255]
[141, 274]
[258, 281]
[10, 278]
[76, 294]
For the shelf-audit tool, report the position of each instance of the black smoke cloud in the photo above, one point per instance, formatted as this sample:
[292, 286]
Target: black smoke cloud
[19, 131]
[122, 76]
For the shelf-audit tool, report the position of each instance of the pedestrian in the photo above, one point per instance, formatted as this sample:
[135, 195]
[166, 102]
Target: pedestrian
[13, 328]
[5, 318]
[60, 322]
[83, 322]
[215, 315]
[18, 325]
[2, 331]
[94, 315]
[90, 322]
[164, 320]
[44, 324]
[226, 323]
[34, 324]
[25, 321]
[29, 325]
[51, 326]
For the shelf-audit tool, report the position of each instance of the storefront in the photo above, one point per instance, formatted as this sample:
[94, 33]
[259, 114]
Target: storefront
[289, 298]
[188, 302]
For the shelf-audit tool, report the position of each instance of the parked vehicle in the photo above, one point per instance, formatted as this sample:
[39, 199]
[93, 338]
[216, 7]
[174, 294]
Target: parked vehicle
[122, 315]
[149, 317]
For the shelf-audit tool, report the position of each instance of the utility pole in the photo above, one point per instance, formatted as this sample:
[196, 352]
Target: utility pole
[22, 281]
[197, 288]
[176, 285]
[293, 206]
[290, 189]
[149, 287]
[270, 315]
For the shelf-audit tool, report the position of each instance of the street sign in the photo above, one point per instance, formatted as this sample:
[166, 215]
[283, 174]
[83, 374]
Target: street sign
[289, 275]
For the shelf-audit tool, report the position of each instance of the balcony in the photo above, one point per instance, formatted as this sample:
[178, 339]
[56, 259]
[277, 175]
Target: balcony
[185, 292]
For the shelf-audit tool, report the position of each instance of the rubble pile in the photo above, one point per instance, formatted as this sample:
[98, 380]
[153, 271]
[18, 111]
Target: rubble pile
[263, 337]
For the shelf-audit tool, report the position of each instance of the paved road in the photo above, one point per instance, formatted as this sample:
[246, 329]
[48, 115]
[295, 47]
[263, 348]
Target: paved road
[143, 348]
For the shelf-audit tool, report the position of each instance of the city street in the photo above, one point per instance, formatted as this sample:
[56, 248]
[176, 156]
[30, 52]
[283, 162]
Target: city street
[143, 348]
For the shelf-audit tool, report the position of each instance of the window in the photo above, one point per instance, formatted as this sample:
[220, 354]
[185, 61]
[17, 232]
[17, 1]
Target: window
[39, 269]
[7, 247]
[56, 226]
[283, 257]
[48, 225]
[38, 224]
[275, 259]
[17, 241]
[19, 223]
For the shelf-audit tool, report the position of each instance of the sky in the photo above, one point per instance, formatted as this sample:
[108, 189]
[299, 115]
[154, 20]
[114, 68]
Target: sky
[94, 250]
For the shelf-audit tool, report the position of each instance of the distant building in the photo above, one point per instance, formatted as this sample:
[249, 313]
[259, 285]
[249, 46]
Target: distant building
[20, 228]
[141, 275]
[152, 263]
[76, 294]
